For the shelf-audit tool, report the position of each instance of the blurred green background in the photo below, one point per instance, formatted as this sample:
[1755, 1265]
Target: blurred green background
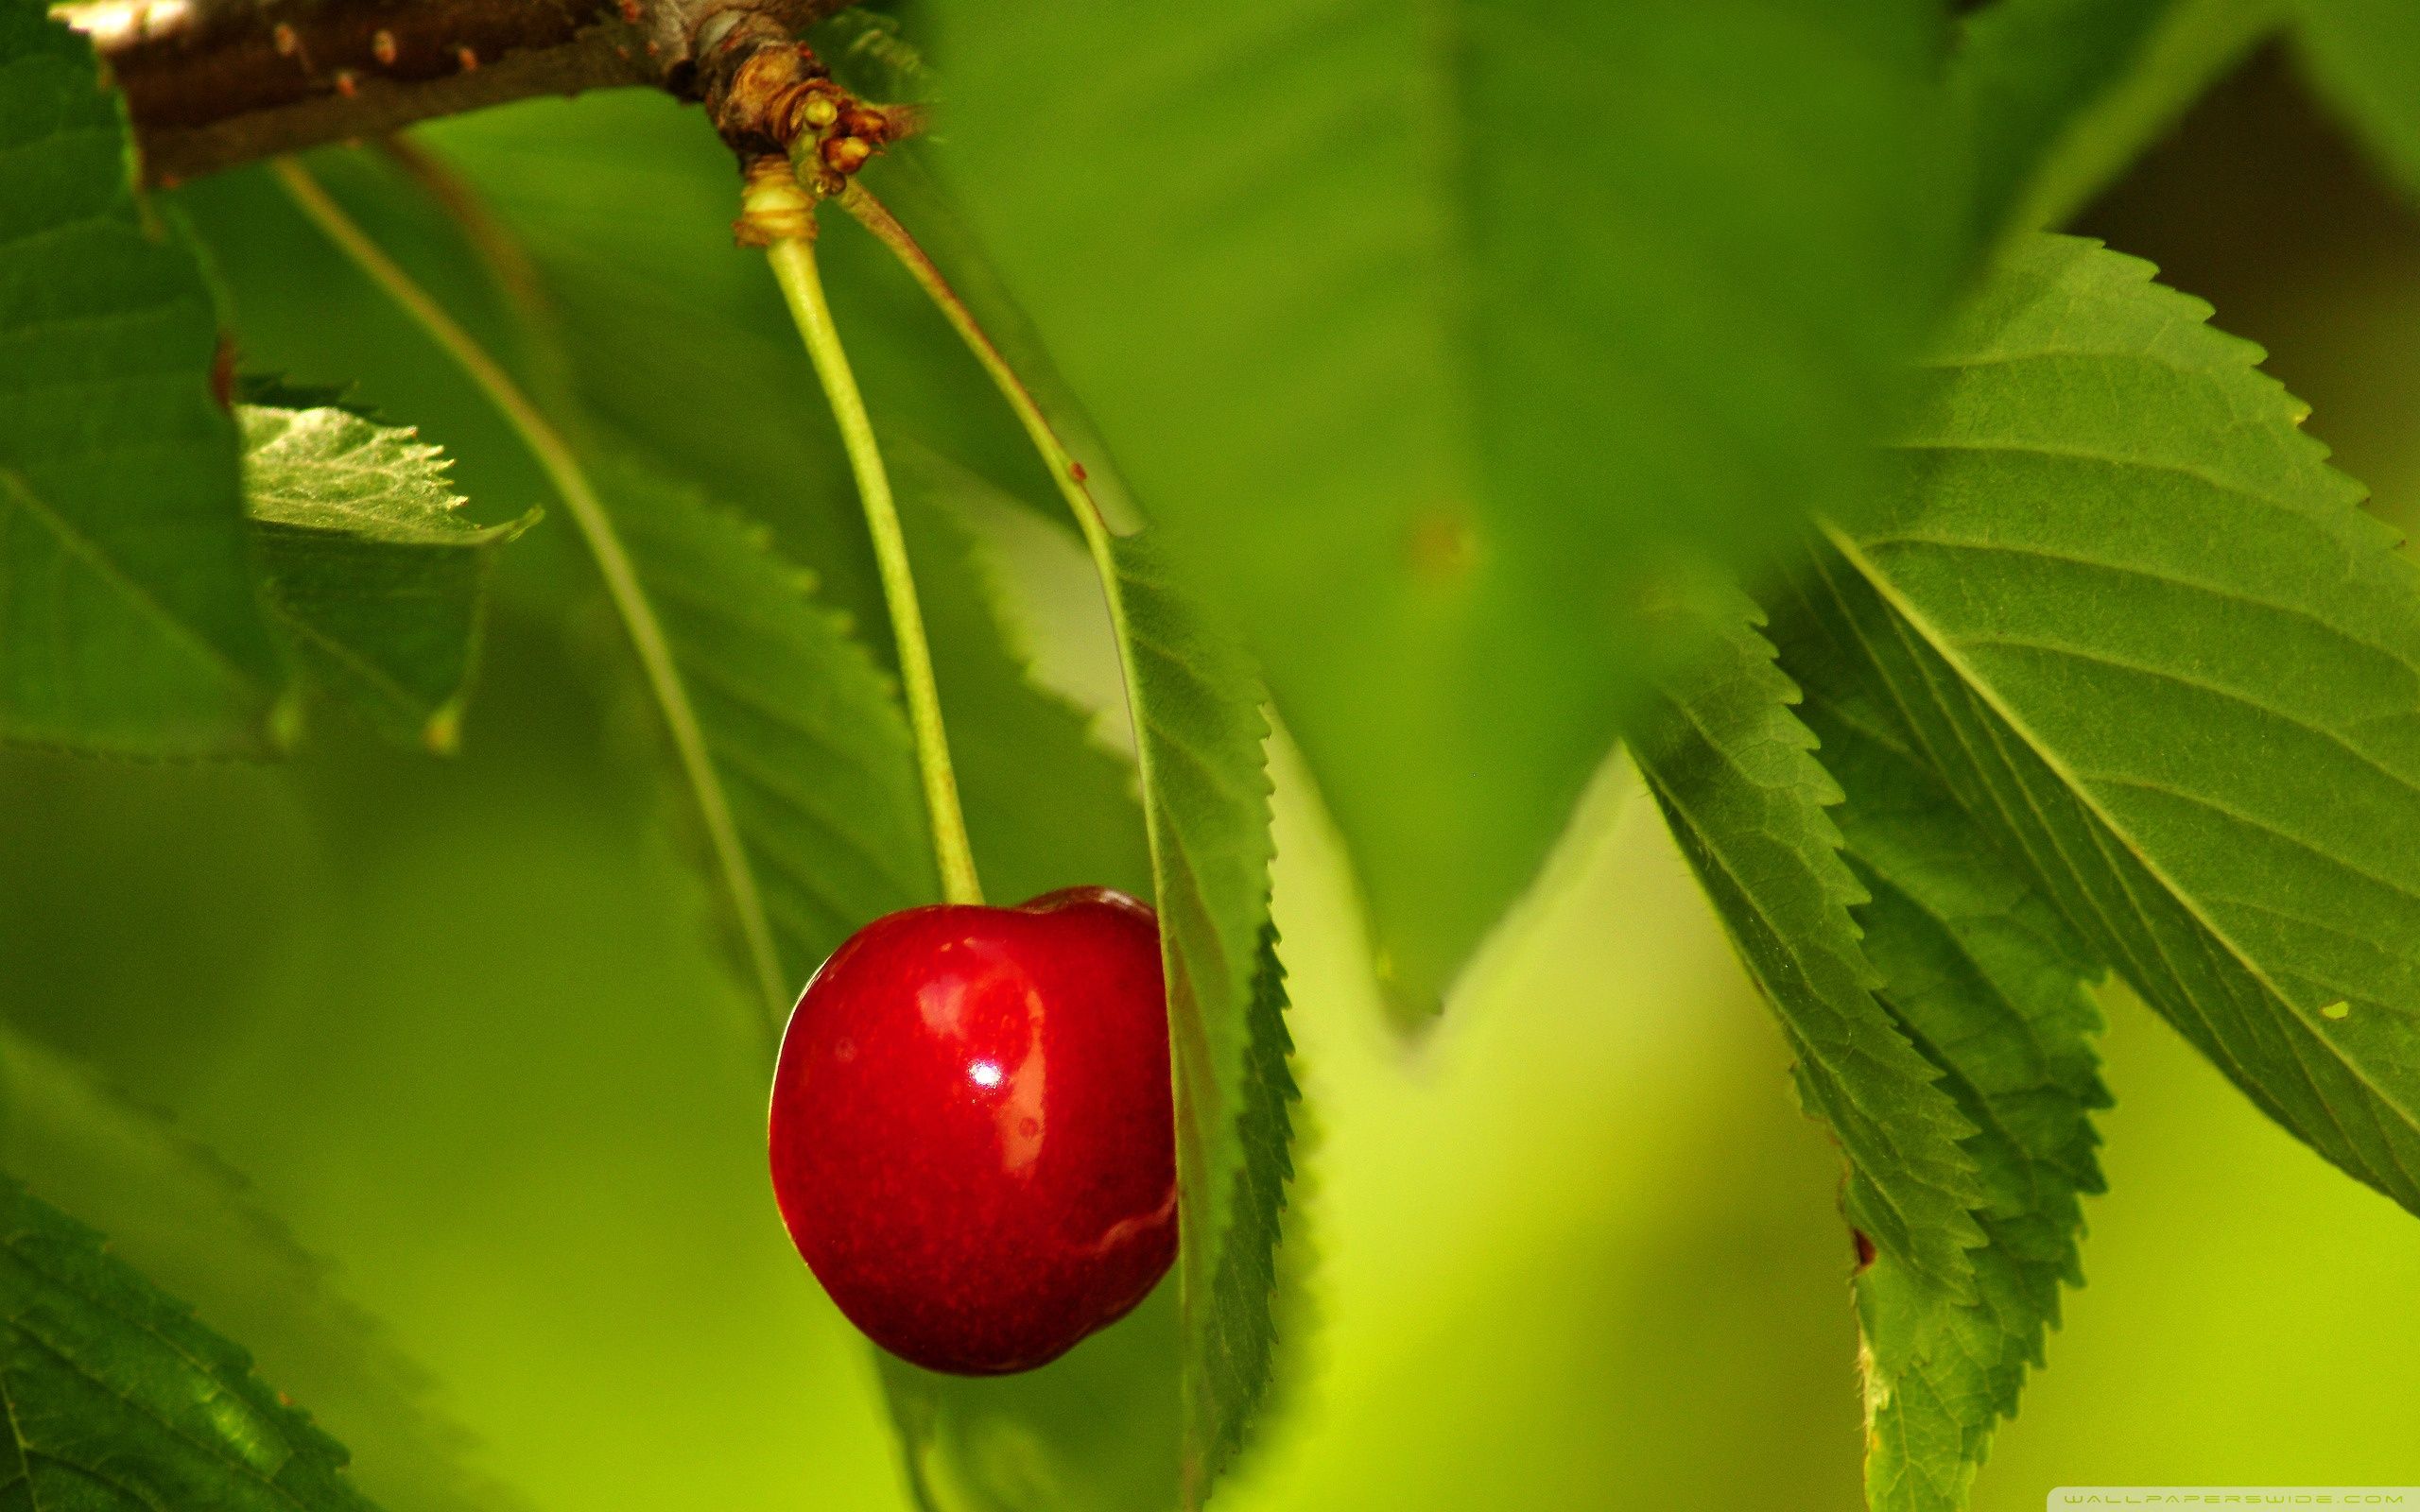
[465, 1027]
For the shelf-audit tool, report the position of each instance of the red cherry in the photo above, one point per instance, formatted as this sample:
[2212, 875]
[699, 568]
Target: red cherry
[973, 1140]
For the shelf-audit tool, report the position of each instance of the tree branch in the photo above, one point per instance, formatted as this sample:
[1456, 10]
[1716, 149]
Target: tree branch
[215, 83]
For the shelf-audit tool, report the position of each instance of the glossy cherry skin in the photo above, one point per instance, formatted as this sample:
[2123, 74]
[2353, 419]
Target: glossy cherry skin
[972, 1137]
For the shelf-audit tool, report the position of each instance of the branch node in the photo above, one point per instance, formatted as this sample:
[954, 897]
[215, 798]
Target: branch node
[213, 83]
[769, 93]
[773, 207]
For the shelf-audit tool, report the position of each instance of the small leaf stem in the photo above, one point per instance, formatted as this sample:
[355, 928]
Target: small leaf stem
[777, 210]
[555, 457]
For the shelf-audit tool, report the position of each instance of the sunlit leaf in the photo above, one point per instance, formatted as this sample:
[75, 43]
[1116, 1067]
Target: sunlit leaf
[1985, 979]
[130, 620]
[1729, 764]
[379, 581]
[2107, 529]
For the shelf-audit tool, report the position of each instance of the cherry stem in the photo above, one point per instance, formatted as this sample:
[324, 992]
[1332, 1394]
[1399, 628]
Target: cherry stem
[557, 459]
[1064, 470]
[777, 208]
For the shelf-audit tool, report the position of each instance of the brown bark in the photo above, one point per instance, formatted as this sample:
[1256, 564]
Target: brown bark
[213, 83]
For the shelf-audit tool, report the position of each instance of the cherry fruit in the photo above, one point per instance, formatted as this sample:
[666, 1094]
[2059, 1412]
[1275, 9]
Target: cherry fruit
[973, 1141]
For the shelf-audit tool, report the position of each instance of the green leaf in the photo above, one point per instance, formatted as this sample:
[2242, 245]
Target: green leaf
[1981, 978]
[1240, 1336]
[130, 620]
[1732, 768]
[1494, 312]
[117, 1397]
[378, 581]
[2062, 95]
[2107, 528]
[806, 750]
[1985, 979]
[2365, 57]
[177, 1213]
[1196, 703]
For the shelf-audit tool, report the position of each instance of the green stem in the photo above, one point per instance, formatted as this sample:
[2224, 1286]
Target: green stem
[775, 203]
[555, 457]
[1065, 470]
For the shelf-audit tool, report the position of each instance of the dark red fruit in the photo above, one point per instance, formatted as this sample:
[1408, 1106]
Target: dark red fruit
[973, 1141]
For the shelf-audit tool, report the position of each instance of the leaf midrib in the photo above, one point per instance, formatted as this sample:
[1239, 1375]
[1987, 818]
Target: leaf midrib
[2229, 696]
[2215, 589]
[2050, 832]
[399, 698]
[1943, 647]
[2010, 1010]
[2117, 461]
[24, 1450]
